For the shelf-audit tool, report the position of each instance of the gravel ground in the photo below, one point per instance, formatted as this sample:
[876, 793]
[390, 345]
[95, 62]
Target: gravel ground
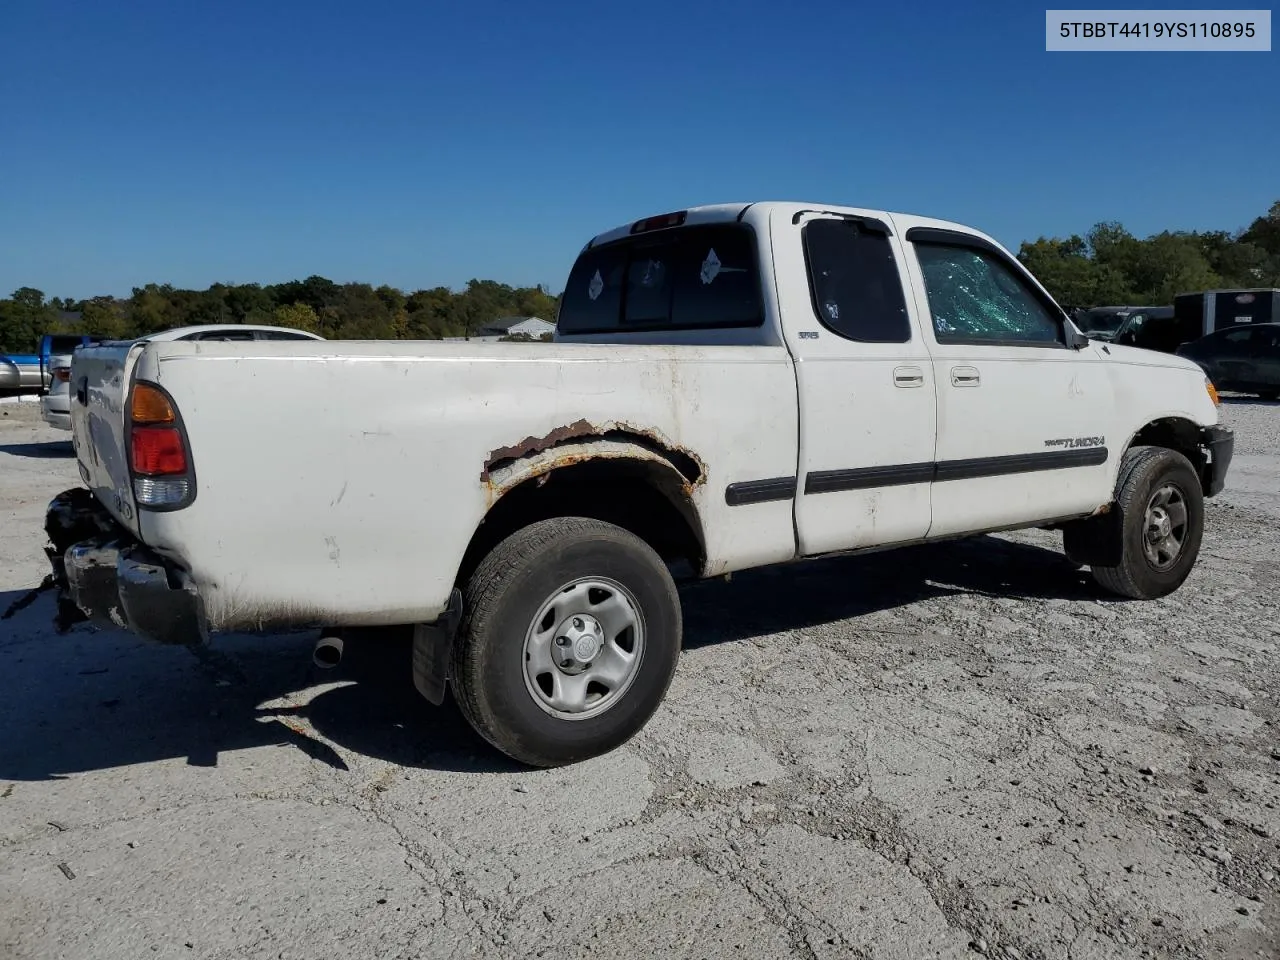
[948, 751]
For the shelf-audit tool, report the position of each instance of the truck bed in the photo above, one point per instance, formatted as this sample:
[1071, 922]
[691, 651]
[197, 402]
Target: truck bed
[321, 496]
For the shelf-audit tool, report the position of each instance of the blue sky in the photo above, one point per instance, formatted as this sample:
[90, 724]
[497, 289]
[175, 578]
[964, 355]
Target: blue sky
[423, 143]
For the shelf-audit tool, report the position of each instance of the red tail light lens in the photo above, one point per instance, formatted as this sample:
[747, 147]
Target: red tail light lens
[62, 374]
[158, 451]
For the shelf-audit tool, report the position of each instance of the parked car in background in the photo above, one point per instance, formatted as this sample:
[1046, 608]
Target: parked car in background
[34, 371]
[19, 371]
[55, 406]
[1119, 324]
[1244, 359]
[55, 345]
[228, 331]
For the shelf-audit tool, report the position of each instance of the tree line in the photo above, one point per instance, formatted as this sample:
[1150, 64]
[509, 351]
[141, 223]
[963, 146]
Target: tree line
[348, 311]
[1107, 266]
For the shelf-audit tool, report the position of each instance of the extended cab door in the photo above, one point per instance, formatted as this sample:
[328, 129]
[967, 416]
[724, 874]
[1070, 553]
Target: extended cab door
[866, 387]
[1026, 424]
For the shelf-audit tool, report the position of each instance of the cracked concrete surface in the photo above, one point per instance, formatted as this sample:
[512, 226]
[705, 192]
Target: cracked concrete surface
[951, 751]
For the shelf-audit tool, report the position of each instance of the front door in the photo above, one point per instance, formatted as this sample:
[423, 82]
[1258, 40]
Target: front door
[866, 387]
[1022, 418]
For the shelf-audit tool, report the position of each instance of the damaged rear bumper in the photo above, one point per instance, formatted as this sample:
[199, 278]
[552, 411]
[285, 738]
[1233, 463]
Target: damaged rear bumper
[104, 575]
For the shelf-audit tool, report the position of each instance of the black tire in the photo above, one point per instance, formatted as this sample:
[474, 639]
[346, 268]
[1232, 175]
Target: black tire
[1269, 395]
[1144, 473]
[501, 600]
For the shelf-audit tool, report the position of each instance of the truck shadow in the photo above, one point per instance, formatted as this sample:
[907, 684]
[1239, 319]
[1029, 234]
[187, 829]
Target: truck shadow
[49, 450]
[90, 700]
[788, 597]
[1248, 400]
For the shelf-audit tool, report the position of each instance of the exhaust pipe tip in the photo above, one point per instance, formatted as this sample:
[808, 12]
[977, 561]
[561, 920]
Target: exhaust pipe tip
[328, 653]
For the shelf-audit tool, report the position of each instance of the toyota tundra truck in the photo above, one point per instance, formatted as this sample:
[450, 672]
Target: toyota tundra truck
[729, 386]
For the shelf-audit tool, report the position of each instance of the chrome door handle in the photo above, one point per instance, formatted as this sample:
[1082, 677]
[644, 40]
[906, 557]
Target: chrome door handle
[965, 377]
[908, 377]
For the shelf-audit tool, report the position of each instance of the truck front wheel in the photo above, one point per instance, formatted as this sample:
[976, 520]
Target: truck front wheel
[1161, 507]
[570, 636]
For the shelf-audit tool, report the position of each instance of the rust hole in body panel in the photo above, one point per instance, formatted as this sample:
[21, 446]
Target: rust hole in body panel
[688, 464]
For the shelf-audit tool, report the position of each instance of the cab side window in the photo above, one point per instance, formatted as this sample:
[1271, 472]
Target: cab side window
[854, 283]
[974, 298]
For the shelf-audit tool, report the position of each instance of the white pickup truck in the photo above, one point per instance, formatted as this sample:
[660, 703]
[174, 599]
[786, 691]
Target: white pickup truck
[731, 386]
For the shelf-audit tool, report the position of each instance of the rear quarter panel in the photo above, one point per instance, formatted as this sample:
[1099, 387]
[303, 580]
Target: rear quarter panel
[98, 428]
[341, 482]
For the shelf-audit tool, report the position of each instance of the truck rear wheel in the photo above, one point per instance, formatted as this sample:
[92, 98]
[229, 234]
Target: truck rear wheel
[570, 636]
[1161, 506]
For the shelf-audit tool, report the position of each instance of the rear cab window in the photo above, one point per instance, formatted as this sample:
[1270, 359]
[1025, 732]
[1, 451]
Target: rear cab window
[698, 277]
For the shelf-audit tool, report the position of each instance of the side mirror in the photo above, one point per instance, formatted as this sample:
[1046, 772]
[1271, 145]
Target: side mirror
[1075, 339]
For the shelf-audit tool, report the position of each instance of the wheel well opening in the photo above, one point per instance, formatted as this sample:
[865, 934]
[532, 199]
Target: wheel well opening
[643, 497]
[1173, 433]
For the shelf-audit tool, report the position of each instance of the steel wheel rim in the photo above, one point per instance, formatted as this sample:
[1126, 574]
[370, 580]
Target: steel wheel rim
[583, 648]
[1164, 527]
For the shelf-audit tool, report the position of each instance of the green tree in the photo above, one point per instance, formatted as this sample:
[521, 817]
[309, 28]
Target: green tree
[103, 317]
[1265, 231]
[299, 316]
[150, 309]
[1168, 264]
[24, 318]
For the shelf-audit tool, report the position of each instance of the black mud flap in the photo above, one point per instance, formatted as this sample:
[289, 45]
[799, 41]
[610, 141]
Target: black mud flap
[1095, 541]
[432, 647]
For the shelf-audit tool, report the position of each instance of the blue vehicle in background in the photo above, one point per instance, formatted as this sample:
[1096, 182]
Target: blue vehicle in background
[25, 372]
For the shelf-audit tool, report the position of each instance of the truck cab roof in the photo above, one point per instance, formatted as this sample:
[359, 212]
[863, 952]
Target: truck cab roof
[759, 211]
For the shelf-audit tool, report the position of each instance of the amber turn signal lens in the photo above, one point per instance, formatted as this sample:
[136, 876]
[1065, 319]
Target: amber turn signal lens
[150, 405]
[1213, 392]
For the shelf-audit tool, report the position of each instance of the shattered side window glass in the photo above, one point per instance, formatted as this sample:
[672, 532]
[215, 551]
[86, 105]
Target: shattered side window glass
[974, 297]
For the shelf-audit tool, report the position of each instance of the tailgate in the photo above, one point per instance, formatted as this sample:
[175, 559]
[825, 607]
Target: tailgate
[99, 396]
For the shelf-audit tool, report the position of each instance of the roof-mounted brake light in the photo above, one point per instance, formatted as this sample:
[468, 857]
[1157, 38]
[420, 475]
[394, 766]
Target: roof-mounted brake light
[662, 222]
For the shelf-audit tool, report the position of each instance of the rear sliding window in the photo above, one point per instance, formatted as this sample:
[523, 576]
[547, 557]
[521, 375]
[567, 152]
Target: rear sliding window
[689, 278]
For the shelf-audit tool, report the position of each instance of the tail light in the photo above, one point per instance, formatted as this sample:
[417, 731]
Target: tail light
[158, 456]
[62, 374]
